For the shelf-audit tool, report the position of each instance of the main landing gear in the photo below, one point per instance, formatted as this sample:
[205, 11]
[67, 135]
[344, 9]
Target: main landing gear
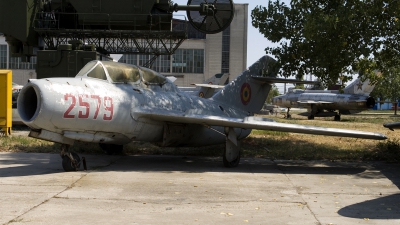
[70, 160]
[313, 111]
[337, 117]
[288, 116]
[231, 157]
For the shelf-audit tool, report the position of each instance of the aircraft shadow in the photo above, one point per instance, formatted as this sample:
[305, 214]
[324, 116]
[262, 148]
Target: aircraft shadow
[387, 207]
[198, 164]
[31, 164]
[28, 164]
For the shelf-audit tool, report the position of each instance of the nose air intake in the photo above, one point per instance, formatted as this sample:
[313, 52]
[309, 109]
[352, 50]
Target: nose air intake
[28, 103]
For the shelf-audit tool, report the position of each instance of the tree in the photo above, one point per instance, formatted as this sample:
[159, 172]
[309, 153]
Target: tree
[380, 93]
[272, 93]
[388, 86]
[299, 86]
[330, 38]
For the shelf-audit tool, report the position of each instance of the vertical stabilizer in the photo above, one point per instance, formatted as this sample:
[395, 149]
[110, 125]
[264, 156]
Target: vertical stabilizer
[217, 79]
[360, 88]
[245, 92]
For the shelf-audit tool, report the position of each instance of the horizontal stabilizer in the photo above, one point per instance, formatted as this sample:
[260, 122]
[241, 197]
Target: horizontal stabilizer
[250, 122]
[282, 80]
[172, 78]
[350, 101]
[209, 85]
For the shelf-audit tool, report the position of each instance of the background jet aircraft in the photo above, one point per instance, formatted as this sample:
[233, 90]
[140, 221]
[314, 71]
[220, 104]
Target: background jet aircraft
[207, 89]
[354, 99]
[114, 104]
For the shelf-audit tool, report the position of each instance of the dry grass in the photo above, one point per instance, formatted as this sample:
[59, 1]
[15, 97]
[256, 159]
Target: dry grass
[265, 144]
[317, 147]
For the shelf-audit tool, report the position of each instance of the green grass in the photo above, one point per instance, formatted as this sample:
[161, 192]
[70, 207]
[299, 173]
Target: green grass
[269, 133]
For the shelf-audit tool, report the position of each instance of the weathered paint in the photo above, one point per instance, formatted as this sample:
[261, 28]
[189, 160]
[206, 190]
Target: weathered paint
[149, 109]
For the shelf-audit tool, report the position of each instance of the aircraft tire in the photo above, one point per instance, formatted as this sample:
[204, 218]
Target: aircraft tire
[232, 164]
[337, 118]
[112, 149]
[67, 163]
[311, 117]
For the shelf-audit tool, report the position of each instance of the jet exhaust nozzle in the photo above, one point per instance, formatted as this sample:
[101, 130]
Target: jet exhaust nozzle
[370, 102]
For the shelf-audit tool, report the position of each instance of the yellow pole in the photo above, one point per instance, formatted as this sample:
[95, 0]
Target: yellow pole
[6, 101]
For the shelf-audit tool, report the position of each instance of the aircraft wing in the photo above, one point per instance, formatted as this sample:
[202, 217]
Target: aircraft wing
[314, 102]
[250, 122]
[282, 80]
[209, 85]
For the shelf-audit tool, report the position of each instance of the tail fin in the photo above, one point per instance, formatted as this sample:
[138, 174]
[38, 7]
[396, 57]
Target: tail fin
[359, 87]
[218, 79]
[247, 93]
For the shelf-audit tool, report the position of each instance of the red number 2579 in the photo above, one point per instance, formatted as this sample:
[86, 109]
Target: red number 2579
[84, 109]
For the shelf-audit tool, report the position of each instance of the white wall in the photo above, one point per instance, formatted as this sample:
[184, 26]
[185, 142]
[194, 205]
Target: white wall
[238, 46]
[18, 76]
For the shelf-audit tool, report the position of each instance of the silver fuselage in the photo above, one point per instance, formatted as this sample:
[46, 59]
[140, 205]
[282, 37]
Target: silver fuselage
[323, 100]
[94, 110]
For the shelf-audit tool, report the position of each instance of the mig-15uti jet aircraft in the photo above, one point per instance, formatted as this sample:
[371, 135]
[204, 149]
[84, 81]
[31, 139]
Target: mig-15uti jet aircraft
[354, 99]
[114, 104]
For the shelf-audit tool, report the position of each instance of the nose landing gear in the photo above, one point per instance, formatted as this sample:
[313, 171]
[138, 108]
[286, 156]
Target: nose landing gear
[70, 160]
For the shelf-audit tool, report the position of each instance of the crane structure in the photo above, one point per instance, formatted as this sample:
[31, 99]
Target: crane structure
[66, 34]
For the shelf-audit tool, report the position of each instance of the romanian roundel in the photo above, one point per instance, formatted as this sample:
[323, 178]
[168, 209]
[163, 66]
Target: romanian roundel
[245, 93]
[201, 94]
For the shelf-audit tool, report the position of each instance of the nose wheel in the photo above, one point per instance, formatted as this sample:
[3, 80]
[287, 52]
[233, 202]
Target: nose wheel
[70, 160]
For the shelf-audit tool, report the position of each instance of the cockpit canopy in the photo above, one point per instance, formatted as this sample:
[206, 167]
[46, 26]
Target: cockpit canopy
[121, 73]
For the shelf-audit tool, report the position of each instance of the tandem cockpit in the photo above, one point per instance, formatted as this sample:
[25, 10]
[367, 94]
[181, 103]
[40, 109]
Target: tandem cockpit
[121, 73]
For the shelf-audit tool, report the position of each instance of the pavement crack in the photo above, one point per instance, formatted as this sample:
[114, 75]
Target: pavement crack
[297, 191]
[19, 217]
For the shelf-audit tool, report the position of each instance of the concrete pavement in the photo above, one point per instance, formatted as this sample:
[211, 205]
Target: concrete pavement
[195, 190]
